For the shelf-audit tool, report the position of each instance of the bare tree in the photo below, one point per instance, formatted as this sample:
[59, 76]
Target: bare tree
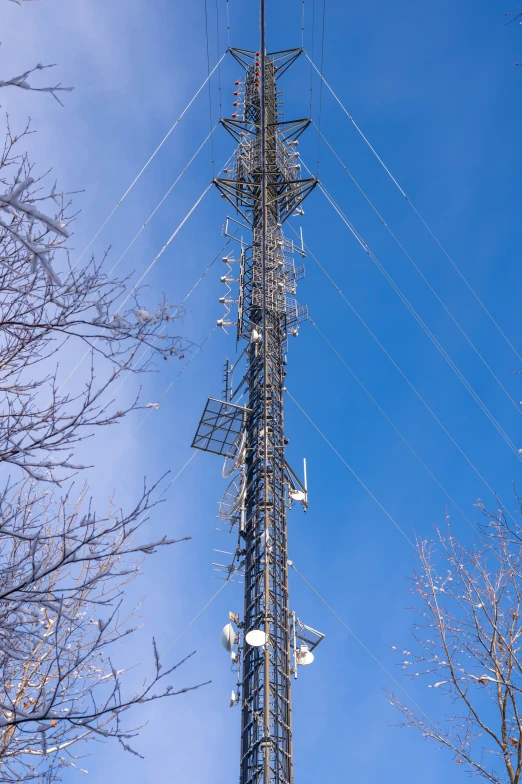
[44, 311]
[63, 566]
[468, 645]
[63, 571]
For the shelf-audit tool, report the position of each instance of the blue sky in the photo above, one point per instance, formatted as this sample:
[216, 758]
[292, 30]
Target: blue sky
[435, 91]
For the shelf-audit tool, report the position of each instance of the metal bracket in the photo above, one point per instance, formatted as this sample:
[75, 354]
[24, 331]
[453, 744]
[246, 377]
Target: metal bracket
[297, 485]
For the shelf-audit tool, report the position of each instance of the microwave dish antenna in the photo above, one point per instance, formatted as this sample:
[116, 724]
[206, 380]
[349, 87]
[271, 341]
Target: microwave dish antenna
[228, 637]
[256, 638]
[304, 655]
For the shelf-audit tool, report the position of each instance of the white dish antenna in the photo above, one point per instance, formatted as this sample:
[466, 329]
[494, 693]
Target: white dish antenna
[305, 655]
[235, 455]
[233, 699]
[256, 638]
[228, 637]
[297, 495]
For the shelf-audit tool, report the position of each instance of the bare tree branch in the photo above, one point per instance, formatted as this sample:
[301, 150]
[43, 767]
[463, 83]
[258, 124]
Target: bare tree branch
[48, 303]
[468, 645]
[514, 16]
[22, 83]
[62, 576]
[64, 567]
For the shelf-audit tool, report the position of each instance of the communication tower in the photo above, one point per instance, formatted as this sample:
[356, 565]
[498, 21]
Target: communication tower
[265, 188]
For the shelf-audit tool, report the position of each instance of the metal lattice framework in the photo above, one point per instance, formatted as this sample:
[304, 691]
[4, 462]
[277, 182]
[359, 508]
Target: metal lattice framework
[265, 188]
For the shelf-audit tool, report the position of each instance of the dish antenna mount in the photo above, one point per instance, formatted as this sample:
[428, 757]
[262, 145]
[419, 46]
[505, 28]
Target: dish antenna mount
[304, 641]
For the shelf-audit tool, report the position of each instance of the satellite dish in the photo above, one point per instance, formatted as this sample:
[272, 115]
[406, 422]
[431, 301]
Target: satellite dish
[305, 655]
[233, 699]
[256, 638]
[228, 637]
[234, 657]
[297, 495]
[235, 455]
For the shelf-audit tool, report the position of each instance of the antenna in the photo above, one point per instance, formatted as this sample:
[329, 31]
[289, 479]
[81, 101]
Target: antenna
[226, 380]
[255, 638]
[228, 637]
[265, 188]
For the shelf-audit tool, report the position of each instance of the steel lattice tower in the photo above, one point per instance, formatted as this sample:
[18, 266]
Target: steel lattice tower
[265, 188]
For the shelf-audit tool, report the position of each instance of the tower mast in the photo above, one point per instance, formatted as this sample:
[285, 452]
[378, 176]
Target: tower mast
[265, 188]
[245, 741]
